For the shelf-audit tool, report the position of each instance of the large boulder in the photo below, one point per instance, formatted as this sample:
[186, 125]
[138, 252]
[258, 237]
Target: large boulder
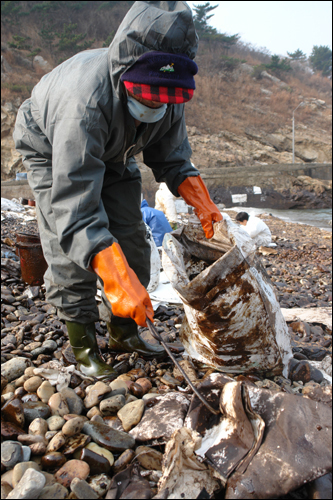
[39, 63]
[273, 79]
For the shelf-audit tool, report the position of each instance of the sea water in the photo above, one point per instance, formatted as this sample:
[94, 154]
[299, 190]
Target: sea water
[321, 218]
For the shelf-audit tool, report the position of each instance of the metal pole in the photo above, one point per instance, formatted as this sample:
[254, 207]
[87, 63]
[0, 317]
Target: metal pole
[294, 131]
[157, 336]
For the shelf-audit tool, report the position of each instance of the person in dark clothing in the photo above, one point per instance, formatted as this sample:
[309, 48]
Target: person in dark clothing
[78, 134]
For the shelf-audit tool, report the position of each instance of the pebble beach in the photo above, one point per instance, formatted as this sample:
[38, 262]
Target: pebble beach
[67, 436]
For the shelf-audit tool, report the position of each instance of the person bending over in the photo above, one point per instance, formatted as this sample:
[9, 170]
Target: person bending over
[78, 134]
[256, 228]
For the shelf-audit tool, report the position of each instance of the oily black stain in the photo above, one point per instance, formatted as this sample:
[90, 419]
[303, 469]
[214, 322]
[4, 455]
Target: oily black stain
[240, 346]
[202, 419]
[203, 293]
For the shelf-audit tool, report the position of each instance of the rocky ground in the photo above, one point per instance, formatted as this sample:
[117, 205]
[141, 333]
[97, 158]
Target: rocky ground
[66, 436]
[301, 265]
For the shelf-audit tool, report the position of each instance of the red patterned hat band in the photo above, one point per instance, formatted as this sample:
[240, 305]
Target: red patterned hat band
[168, 95]
[162, 77]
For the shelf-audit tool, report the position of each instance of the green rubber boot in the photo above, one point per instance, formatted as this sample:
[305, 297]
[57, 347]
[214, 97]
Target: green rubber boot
[84, 344]
[125, 338]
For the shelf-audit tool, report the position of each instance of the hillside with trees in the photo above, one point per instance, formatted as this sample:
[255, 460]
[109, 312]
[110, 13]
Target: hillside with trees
[241, 113]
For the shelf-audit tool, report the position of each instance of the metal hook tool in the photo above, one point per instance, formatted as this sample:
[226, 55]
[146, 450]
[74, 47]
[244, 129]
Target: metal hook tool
[158, 337]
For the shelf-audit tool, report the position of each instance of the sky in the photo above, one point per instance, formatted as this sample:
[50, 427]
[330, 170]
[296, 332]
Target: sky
[280, 27]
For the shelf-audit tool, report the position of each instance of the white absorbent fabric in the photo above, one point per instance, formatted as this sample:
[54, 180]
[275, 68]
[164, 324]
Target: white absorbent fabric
[165, 201]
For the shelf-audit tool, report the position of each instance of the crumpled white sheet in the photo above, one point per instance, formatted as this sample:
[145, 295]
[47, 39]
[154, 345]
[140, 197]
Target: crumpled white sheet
[59, 375]
[12, 209]
[11, 205]
[184, 476]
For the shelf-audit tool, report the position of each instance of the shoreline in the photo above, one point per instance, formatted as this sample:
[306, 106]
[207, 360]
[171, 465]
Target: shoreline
[300, 212]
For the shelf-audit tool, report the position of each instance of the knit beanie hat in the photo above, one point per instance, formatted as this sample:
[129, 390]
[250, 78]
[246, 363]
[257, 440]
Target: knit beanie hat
[162, 77]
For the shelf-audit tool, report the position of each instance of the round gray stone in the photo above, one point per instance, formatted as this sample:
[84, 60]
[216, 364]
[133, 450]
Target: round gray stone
[49, 345]
[35, 409]
[14, 368]
[11, 453]
[111, 439]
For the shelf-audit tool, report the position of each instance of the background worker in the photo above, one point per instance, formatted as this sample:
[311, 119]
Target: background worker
[256, 228]
[78, 134]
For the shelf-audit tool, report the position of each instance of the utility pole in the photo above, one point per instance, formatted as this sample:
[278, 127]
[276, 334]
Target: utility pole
[294, 131]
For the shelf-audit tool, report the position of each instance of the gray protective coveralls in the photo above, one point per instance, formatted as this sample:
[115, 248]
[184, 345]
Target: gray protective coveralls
[78, 143]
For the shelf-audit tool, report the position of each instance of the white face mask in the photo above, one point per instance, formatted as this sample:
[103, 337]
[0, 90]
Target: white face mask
[143, 113]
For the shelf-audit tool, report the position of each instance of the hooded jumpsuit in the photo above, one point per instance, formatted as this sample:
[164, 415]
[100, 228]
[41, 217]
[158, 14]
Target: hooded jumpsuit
[78, 143]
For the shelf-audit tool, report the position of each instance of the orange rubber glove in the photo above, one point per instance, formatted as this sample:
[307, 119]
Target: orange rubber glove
[129, 299]
[195, 193]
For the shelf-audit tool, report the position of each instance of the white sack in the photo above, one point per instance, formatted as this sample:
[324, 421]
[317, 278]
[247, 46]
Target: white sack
[233, 319]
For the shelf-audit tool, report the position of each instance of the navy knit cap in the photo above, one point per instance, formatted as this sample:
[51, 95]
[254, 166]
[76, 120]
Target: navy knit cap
[161, 69]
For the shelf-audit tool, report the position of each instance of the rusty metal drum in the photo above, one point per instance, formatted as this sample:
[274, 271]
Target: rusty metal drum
[33, 263]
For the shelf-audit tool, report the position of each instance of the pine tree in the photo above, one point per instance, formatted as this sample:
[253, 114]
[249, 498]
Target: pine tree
[321, 59]
[20, 43]
[10, 9]
[69, 41]
[298, 55]
[277, 65]
[208, 33]
[201, 18]
[48, 36]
